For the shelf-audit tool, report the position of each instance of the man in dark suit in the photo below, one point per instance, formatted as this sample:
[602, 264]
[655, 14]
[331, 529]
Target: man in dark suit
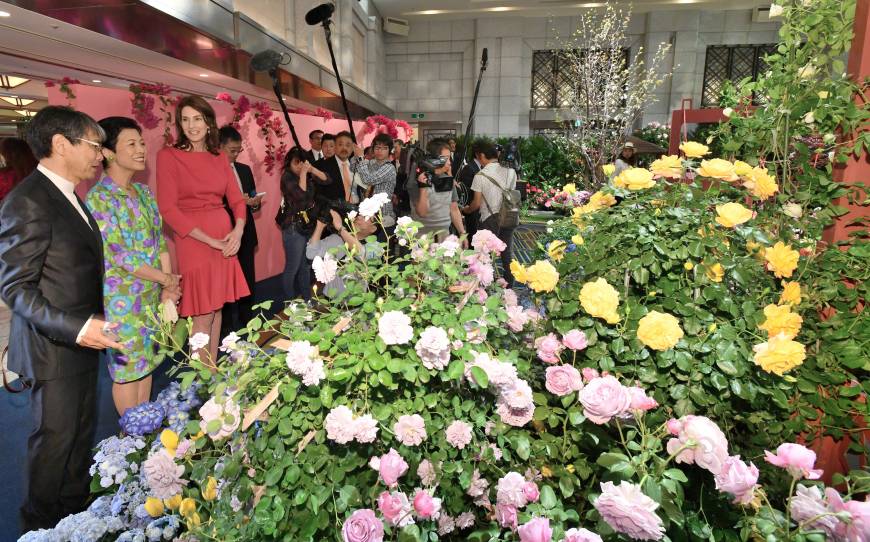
[315, 138]
[236, 315]
[466, 177]
[339, 170]
[51, 277]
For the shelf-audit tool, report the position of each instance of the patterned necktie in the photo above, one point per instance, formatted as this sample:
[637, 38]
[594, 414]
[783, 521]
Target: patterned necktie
[345, 175]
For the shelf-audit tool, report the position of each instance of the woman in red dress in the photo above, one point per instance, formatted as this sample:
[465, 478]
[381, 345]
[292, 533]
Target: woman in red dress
[193, 177]
[16, 163]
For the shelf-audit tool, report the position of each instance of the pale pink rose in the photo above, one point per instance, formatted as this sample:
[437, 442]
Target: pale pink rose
[518, 395]
[510, 297]
[536, 530]
[574, 339]
[390, 505]
[563, 379]
[548, 348]
[325, 268]
[581, 535]
[797, 459]
[227, 412]
[314, 373]
[299, 356]
[450, 246]
[481, 268]
[531, 491]
[506, 515]
[433, 347]
[458, 434]
[857, 529]
[340, 425]
[737, 478]
[500, 374]
[366, 429]
[589, 373]
[808, 507]
[674, 426]
[410, 429]
[464, 520]
[394, 327]
[478, 485]
[640, 401]
[510, 490]
[485, 241]
[182, 448]
[424, 505]
[446, 524]
[426, 472]
[392, 466]
[704, 443]
[627, 510]
[163, 475]
[516, 417]
[363, 526]
[603, 398]
[517, 318]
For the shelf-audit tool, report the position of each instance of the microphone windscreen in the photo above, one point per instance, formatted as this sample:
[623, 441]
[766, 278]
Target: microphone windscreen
[484, 56]
[265, 60]
[319, 14]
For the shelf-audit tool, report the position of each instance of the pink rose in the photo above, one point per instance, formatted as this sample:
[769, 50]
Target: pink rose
[506, 515]
[458, 434]
[563, 379]
[363, 526]
[391, 467]
[530, 490]
[574, 339]
[603, 398]
[511, 490]
[798, 460]
[424, 505]
[627, 510]
[674, 426]
[549, 346]
[390, 506]
[808, 507]
[581, 535]
[536, 530]
[858, 526]
[640, 400]
[703, 443]
[738, 479]
[589, 373]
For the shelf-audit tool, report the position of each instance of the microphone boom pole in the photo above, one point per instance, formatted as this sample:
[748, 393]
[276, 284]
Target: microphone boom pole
[483, 61]
[276, 86]
[268, 61]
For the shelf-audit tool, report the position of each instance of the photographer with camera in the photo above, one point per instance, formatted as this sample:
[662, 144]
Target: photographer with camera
[495, 195]
[433, 196]
[339, 243]
[296, 219]
[378, 175]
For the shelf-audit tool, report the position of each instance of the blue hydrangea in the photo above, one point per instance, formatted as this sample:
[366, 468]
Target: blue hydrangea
[133, 535]
[177, 404]
[163, 528]
[142, 419]
[110, 461]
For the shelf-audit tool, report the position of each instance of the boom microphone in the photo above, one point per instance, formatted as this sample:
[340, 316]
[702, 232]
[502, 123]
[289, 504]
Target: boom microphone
[319, 14]
[484, 57]
[267, 60]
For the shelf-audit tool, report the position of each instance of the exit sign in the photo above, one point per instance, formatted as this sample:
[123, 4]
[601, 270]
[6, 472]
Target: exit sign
[418, 115]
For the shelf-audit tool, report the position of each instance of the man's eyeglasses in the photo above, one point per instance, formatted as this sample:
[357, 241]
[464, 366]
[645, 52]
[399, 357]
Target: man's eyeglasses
[94, 145]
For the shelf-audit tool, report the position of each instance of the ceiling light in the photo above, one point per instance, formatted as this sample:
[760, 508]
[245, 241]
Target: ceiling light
[24, 112]
[203, 75]
[431, 12]
[95, 81]
[5, 14]
[10, 81]
[501, 8]
[16, 101]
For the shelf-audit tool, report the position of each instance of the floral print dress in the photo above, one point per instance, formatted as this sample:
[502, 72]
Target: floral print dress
[132, 237]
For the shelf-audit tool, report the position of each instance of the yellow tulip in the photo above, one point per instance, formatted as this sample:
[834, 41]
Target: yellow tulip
[154, 507]
[187, 507]
[173, 502]
[209, 493]
[169, 439]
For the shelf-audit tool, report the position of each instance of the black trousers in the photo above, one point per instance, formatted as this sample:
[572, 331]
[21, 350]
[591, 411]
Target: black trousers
[59, 453]
[472, 224]
[236, 315]
[506, 235]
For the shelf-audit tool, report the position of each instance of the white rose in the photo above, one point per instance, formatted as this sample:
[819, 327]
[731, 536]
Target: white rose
[807, 71]
[728, 111]
[793, 210]
[775, 11]
[809, 118]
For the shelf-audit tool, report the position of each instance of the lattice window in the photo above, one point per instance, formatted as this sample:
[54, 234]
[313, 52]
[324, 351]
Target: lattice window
[553, 78]
[731, 63]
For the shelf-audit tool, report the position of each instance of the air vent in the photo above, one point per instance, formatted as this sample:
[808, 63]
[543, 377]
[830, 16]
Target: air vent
[399, 27]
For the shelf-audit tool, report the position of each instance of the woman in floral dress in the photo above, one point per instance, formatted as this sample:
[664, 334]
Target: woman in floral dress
[137, 269]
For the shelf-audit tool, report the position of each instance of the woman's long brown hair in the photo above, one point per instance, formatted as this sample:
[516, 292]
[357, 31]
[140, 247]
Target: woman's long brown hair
[212, 143]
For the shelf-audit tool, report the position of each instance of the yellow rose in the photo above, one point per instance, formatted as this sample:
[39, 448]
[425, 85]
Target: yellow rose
[209, 493]
[688, 266]
[781, 259]
[546, 471]
[718, 169]
[600, 299]
[715, 272]
[154, 507]
[187, 507]
[761, 183]
[569, 188]
[577, 215]
[791, 293]
[518, 270]
[779, 355]
[608, 169]
[780, 319]
[732, 214]
[634, 179]
[556, 250]
[659, 331]
[597, 201]
[823, 94]
[173, 502]
[670, 167]
[741, 168]
[169, 439]
[542, 276]
[694, 150]
[577, 239]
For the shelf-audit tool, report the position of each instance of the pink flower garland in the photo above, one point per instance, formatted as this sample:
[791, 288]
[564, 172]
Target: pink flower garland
[65, 87]
[385, 125]
[142, 105]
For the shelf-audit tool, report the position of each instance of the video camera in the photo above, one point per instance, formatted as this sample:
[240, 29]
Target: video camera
[509, 155]
[427, 165]
[323, 206]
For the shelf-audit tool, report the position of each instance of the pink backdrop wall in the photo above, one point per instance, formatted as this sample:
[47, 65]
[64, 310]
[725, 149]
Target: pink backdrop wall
[102, 102]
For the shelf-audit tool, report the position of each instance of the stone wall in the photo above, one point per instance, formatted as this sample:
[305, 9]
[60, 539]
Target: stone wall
[433, 70]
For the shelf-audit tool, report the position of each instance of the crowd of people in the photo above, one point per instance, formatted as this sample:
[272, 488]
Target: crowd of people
[84, 276]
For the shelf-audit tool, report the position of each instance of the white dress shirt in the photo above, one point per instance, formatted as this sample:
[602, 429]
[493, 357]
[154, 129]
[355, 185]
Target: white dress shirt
[238, 179]
[317, 154]
[68, 189]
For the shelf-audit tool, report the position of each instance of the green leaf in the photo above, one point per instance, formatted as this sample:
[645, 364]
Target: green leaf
[273, 475]
[676, 474]
[523, 448]
[548, 497]
[480, 377]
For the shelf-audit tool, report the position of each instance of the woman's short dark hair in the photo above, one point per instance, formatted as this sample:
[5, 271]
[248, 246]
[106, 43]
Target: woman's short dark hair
[295, 153]
[59, 119]
[227, 133]
[203, 108]
[486, 148]
[113, 126]
[383, 139]
[17, 156]
[327, 137]
[434, 147]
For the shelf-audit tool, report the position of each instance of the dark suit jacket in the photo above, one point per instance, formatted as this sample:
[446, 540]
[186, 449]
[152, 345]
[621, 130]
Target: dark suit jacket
[249, 237]
[51, 276]
[333, 188]
[466, 175]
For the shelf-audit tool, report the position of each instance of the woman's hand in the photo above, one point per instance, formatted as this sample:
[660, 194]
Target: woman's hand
[170, 295]
[336, 221]
[170, 281]
[233, 241]
[217, 244]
